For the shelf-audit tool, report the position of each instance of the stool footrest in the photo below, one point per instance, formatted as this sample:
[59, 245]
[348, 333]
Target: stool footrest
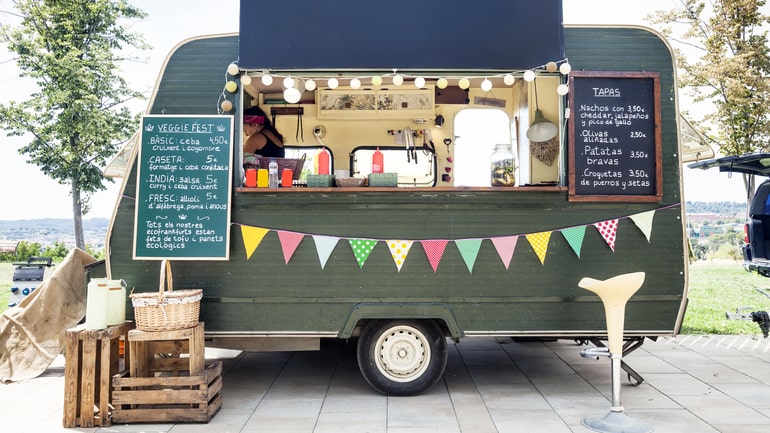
[595, 352]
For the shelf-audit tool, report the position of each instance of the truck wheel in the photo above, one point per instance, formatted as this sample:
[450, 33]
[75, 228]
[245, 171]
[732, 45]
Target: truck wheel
[402, 357]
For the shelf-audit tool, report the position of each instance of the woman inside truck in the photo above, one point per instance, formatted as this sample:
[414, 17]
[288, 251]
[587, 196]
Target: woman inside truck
[263, 139]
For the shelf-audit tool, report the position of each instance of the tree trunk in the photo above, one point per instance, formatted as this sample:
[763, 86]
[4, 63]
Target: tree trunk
[77, 215]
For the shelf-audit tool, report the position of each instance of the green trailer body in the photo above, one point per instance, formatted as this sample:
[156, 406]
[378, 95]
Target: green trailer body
[255, 299]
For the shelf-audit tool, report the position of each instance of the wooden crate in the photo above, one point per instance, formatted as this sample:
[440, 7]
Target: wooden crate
[92, 357]
[157, 352]
[168, 399]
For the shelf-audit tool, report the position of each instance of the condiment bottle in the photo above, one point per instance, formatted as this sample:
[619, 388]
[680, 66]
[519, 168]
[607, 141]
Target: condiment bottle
[377, 161]
[272, 174]
[323, 162]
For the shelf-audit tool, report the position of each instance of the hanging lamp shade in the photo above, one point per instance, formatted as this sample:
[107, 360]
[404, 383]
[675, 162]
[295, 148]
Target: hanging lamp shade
[541, 129]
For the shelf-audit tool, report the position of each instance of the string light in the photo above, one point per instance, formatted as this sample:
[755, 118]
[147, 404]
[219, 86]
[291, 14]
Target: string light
[398, 78]
[486, 85]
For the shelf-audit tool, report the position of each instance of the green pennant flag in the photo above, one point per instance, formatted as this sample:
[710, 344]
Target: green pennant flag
[574, 237]
[361, 249]
[469, 249]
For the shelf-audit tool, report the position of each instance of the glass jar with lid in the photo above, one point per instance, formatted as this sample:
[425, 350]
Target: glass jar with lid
[503, 166]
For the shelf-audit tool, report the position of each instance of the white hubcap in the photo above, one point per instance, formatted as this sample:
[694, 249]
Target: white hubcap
[402, 354]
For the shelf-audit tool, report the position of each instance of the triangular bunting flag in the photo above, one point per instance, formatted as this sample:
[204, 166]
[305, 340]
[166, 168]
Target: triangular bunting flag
[361, 249]
[289, 243]
[574, 237]
[505, 246]
[398, 250]
[324, 245]
[539, 242]
[469, 249]
[608, 229]
[252, 236]
[644, 222]
[434, 249]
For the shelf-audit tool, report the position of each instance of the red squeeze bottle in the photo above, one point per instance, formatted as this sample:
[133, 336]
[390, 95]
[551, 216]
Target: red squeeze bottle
[323, 162]
[377, 161]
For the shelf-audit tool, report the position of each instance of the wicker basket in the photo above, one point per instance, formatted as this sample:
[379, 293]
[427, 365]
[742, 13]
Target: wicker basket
[166, 310]
[295, 165]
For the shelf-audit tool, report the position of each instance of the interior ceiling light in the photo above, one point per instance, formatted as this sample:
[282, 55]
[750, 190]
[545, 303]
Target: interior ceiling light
[541, 129]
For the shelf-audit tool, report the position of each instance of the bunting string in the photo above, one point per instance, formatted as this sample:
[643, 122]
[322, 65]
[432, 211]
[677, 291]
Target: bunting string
[434, 248]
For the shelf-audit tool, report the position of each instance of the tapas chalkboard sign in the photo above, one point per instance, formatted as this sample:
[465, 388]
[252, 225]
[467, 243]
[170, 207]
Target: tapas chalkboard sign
[615, 137]
[183, 188]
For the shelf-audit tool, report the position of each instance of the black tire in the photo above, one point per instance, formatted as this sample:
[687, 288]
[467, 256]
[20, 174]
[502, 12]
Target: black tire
[402, 357]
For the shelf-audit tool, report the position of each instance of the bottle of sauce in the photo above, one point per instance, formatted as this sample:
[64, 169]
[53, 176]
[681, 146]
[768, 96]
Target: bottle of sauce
[377, 161]
[323, 162]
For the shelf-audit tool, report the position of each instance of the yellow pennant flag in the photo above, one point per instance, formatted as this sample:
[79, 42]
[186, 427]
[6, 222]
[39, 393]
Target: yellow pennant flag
[539, 242]
[252, 236]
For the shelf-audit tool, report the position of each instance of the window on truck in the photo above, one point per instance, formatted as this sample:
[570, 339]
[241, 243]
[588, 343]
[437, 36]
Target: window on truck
[476, 131]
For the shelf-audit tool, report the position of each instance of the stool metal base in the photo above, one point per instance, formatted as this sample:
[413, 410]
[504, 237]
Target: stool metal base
[617, 422]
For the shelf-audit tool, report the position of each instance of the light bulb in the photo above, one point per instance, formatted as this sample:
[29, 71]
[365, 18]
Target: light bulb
[565, 68]
[562, 89]
[398, 80]
[246, 80]
[376, 80]
[309, 85]
[419, 82]
[486, 85]
[464, 83]
[442, 83]
[267, 79]
[288, 82]
[529, 75]
[292, 95]
[231, 86]
[550, 66]
[226, 105]
[232, 69]
[355, 83]
[333, 83]
[509, 79]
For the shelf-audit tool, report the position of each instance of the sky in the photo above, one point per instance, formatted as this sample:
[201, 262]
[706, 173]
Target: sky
[26, 193]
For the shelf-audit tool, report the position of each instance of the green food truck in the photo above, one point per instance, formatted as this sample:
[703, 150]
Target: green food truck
[488, 157]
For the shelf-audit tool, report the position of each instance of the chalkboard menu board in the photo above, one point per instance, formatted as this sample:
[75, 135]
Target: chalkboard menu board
[614, 137]
[183, 188]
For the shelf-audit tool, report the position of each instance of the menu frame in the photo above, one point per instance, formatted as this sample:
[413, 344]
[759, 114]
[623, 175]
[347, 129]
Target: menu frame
[653, 145]
[192, 163]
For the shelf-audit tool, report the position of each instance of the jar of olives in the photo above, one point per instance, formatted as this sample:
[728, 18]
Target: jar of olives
[503, 166]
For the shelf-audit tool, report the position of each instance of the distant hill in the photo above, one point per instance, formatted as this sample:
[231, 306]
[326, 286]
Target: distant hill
[47, 231]
[725, 208]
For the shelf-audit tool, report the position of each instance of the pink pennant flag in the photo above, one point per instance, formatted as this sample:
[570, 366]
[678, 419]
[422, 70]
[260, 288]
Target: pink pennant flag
[609, 230]
[434, 249]
[505, 246]
[289, 243]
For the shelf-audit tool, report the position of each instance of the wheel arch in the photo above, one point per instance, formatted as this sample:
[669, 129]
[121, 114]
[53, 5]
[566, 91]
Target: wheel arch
[441, 313]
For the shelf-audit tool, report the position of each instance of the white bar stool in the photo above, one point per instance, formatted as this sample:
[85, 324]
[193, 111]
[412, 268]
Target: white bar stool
[614, 293]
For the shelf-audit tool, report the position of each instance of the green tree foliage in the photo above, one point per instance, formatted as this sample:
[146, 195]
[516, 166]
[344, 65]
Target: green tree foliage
[725, 60]
[75, 120]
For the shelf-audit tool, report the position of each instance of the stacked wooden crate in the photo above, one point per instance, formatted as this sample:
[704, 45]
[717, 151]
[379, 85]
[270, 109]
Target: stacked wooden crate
[92, 357]
[168, 380]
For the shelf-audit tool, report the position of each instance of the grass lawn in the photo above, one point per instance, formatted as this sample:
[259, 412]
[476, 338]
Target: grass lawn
[716, 287]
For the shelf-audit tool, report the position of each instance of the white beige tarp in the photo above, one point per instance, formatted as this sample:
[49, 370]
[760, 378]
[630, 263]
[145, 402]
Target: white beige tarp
[32, 333]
